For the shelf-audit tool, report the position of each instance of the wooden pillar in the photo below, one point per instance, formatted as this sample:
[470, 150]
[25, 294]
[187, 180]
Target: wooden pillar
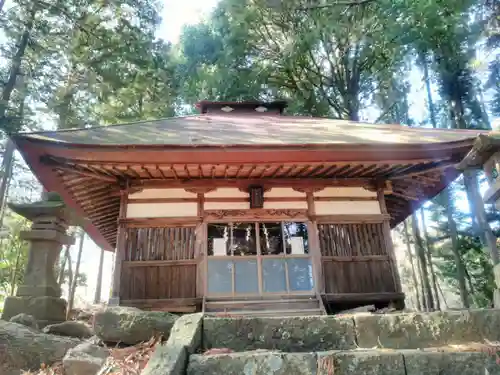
[200, 253]
[388, 239]
[314, 248]
[120, 250]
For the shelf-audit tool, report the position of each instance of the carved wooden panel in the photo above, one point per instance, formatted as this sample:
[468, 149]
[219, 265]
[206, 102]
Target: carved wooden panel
[256, 214]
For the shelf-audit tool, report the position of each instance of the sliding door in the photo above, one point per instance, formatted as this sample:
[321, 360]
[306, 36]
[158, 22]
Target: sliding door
[258, 258]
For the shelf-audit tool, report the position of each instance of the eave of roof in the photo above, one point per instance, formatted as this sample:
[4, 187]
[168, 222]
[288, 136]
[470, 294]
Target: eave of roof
[485, 145]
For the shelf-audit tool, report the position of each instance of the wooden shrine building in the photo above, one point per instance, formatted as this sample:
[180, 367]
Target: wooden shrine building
[242, 208]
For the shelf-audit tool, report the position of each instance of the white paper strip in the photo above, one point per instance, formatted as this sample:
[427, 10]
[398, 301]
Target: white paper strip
[297, 245]
[219, 246]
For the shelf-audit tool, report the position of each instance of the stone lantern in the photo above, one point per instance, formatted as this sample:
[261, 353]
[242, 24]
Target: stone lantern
[40, 294]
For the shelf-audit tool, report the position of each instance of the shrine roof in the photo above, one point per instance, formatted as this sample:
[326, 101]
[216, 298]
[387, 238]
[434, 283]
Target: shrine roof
[243, 129]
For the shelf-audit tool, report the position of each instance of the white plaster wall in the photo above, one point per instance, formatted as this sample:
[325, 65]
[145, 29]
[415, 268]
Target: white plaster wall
[162, 193]
[226, 193]
[226, 205]
[142, 210]
[345, 192]
[283, 192]
[347, 208]
[285, 205]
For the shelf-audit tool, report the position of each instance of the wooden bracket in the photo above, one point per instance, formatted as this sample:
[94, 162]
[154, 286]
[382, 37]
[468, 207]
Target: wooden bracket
[308, 189]
[200, 190]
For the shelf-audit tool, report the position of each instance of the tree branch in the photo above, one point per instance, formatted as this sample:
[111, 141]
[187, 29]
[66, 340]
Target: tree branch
[335, 4]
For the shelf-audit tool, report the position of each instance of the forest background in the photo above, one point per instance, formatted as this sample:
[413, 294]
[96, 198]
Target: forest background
[79, 63]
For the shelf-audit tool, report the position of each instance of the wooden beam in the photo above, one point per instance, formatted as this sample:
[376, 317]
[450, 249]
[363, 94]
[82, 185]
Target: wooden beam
[419, 169]
[405, 196]
[351, 219]
[75, 169]
[355, 258]
[158, 222]
[364, 297]
[242, 200]
[120, 251]
[159, 263]
[314, 244]
[244, 183]
[388, 240]
[256, 214]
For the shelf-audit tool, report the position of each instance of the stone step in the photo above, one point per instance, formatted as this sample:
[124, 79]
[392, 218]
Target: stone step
[364, 330]
[362, 362]
[269, 313]
[245, 305]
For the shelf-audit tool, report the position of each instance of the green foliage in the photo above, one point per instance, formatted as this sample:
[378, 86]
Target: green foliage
[13, 254]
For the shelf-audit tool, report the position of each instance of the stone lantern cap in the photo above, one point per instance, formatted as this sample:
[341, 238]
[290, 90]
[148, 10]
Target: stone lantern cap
[52, 205]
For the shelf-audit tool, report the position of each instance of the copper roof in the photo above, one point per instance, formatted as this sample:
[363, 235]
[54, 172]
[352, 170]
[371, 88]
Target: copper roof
[237, 129]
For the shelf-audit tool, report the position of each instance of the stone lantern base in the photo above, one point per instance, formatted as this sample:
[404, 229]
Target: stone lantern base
[45, 309]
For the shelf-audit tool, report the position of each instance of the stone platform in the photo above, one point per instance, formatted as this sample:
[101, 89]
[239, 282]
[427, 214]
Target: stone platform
[439, 343]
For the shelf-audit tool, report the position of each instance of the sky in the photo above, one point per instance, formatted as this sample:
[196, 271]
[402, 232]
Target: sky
[175, 14]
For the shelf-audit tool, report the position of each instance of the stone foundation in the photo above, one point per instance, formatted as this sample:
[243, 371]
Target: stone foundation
[360, 362]
[46, 310]
[323, 333]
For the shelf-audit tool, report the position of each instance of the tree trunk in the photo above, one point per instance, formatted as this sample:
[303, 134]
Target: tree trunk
[15, 67]
[442, 295]
[454, 248]
[98, 287]
[8, 160]
[427, 80]
[477, 209]
[71, 298]
[471, 288]
[15, 271]
[423, 301]
[412, 264]
[66, 257]
[423, 262]
[429, 252]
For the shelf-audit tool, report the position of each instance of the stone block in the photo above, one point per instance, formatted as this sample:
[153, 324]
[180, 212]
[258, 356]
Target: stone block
[369, 362]
[43, 309]
[496, 298]
[130, 325]
[291, 334]
[25, 348]
[70, 328]
[38, 290]
[496, 273]
[167, 359]
[84, 359]
[421, 330]
[25, 320]
[253, 362]
[451, 363]
[187, 331]
[185, 338]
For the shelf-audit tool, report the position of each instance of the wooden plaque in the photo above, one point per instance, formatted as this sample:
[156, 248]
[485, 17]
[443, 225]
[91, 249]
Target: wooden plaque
[256, 196]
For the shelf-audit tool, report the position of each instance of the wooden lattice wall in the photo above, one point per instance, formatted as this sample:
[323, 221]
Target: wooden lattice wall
[159, 264]
[355, 259]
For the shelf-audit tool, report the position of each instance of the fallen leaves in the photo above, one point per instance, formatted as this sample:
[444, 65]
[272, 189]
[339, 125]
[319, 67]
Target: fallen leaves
[129, 360]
